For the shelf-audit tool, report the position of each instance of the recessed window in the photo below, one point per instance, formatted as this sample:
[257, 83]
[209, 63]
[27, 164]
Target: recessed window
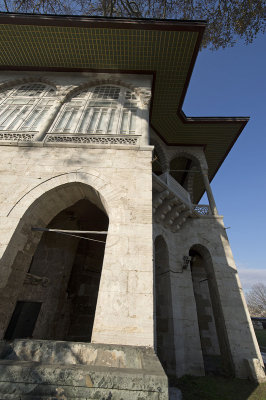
[24, 107]
[103, 110]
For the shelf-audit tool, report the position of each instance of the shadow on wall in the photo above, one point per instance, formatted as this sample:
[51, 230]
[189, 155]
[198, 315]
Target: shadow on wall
[165, 346]
[210, 387]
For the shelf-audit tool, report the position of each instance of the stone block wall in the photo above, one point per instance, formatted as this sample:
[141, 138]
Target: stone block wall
[208, 236]
[40, 179]
[38, 182]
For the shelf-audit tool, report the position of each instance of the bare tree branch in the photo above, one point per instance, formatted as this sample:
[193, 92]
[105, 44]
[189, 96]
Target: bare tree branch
[256, 300]
[228, 20]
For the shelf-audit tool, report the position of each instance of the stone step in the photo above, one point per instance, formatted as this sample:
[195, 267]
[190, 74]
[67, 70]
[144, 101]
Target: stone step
[31, 380]
[76, 353]
[44, 370]
[26, 397]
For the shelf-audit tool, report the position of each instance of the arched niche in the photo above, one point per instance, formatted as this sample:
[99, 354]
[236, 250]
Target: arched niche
[54, 283]
[186, 170]
[213, 336]
[165, 346]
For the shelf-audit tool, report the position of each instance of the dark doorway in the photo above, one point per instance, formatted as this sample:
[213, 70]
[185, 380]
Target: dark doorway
[23, 320]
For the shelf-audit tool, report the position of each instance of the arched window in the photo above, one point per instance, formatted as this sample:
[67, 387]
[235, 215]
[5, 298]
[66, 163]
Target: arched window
[23, 108]
[102, 110]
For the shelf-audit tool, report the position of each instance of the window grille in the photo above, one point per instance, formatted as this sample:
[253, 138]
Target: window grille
[35, 89]
[25, 107]
[102, 110]
[106, 92]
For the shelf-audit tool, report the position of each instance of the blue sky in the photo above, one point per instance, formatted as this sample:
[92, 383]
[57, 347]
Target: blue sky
[233, 82]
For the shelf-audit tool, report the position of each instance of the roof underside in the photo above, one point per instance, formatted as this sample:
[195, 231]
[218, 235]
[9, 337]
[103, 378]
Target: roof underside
[166, 49]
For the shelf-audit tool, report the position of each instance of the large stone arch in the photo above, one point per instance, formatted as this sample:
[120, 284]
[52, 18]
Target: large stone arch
[193, 154]
[192, 161]
[36, 209]
[32, 206]
[92, 178]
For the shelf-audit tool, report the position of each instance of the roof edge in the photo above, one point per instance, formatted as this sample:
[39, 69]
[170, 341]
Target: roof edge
[214, 119]
[89, 21]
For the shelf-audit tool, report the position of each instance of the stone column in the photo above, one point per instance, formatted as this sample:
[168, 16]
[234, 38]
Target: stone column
[39, 136]
[124, 313]
[209, 192]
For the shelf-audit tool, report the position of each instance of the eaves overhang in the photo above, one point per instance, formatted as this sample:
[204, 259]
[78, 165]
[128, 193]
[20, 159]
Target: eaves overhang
[166, 49]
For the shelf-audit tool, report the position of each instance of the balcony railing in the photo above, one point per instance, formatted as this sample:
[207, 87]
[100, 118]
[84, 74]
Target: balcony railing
[176, 188]
[202, 209]
[182, 194]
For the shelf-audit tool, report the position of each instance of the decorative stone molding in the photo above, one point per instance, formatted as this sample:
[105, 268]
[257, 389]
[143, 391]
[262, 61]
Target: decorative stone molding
[74, 139]
[172, 213]
[169, 209]
[193, 154]
[16, 137]
[202, 209]
[143, 94]
[86, 139]
[36, 79]
[36, 280]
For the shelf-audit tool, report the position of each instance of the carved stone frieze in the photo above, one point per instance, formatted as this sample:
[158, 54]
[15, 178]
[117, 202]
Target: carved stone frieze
[75, 139]
[145, 95]
[16, 137]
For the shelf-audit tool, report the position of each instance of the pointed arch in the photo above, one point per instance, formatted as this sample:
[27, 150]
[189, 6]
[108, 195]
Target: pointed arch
[186, 169]
[38, 209]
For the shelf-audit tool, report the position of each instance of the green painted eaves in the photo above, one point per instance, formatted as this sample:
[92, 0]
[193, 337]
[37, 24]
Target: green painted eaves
[167, 49]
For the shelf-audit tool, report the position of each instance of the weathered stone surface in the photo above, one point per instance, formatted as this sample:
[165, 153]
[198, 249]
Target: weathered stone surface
[45, 369]
[40, 180]
[256, 371]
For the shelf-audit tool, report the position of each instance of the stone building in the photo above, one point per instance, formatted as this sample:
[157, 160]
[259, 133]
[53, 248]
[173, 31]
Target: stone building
[112, 274]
